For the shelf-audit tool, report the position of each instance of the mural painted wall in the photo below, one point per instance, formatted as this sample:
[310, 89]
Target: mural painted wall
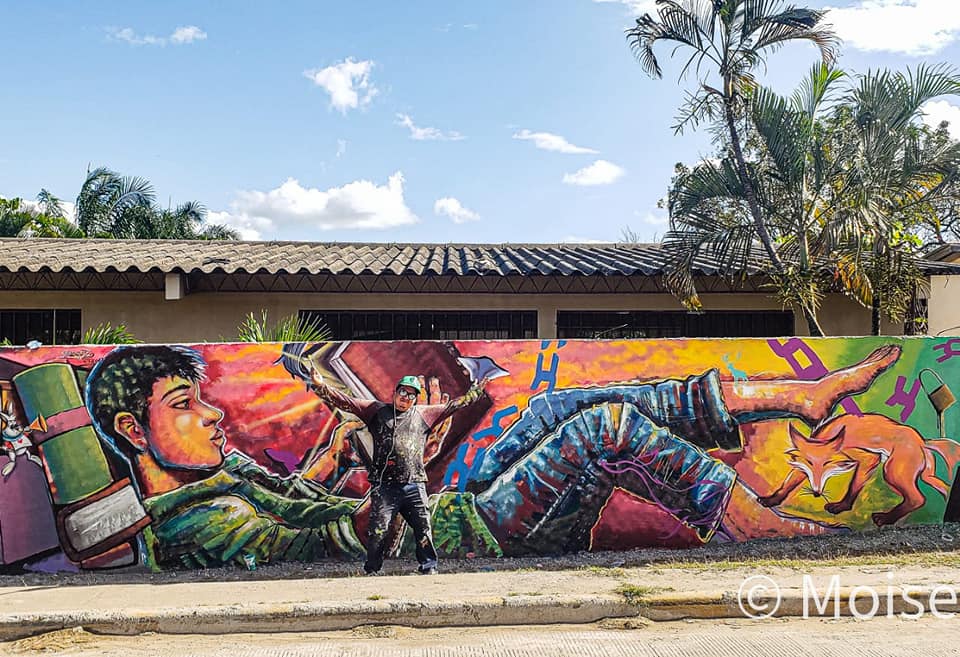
[180, 456]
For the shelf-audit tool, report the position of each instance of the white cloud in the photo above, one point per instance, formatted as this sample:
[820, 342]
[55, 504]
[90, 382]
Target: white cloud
[250, 228]
[358, 204]
[938, 111]
[427, 134]
[452, 208]
[600, 172]
[636, 7]
[550, 142]
[347, 82]
[188, 34]
[912, 27]
[181, 35]
[341, 147]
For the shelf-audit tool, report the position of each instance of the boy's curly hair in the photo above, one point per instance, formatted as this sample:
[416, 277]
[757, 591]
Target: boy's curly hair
[123, 381]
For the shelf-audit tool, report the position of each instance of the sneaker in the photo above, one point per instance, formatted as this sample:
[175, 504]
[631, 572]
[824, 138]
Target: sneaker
[373, 573]
[428, 571]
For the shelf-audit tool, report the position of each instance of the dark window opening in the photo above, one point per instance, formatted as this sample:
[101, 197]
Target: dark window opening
[674, 324]
[427, 325]
[46, 326]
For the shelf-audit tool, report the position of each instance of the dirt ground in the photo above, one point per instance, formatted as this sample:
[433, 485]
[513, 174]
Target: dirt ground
[887, 541]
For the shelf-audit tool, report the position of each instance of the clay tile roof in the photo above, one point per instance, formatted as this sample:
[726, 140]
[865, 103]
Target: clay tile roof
[183, 256]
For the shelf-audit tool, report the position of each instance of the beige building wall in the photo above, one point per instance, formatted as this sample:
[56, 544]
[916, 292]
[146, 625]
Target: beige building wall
[943, 306]
[214, 316]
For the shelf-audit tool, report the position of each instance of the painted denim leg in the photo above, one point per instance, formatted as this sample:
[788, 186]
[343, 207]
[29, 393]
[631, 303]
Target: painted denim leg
[562, 481]
[384, 503]
[692, 409]
[415, 511]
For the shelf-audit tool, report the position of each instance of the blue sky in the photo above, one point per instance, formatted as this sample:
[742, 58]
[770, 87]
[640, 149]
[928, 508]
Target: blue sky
[497, 121]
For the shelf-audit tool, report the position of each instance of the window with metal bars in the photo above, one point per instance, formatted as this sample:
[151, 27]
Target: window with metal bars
[53, 326]
[426, 324]
[674, 324]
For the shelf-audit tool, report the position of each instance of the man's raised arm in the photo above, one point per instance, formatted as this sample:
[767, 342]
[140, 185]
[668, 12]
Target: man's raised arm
[362, 408]
[436, 413]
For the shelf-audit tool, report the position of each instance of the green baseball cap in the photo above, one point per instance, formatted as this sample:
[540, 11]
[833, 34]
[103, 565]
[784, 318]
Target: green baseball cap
[410, 382]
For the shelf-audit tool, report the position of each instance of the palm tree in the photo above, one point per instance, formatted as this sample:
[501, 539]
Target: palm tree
[732, 37]
[292, 328]
[841, 184]
[108, 204]
[894, 172]
[794, 164]
[123, 207]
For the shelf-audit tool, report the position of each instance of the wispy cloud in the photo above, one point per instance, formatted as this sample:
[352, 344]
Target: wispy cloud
[427, 134]
[636, 7]
[573, 239]
[450, 26]
[341, 147]
[356, 205]
[600, 172]
[550, 142]
[912, 27]
[452, 208]
[938, 111]
[656, 217]
[347, 83]
[180, 36]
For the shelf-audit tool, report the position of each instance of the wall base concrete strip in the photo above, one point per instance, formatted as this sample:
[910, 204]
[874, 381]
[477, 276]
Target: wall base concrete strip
[511, 610]
[318, 617]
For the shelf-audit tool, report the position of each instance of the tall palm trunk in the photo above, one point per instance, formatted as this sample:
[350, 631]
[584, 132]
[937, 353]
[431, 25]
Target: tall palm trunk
[875, 314]
[813, 325]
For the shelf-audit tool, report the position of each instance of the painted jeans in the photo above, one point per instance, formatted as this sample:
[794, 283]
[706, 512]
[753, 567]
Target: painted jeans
[542, 485]
[410, 501]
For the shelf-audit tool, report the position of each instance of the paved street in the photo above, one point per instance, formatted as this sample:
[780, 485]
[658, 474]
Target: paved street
[929, 637]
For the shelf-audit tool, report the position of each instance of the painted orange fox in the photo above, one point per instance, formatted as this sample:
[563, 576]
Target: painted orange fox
[861, 445]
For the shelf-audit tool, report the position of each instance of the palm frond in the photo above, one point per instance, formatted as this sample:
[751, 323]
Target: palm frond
[107, 334]
[292, 328]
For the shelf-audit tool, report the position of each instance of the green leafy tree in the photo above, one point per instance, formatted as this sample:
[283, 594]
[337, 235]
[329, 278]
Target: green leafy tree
[17, 219]
[727, 40]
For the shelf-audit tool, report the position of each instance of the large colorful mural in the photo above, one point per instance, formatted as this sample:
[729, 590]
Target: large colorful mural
[178, 456]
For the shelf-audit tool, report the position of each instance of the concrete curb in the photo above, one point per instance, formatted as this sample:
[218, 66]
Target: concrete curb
[317, 617]
[511, 610]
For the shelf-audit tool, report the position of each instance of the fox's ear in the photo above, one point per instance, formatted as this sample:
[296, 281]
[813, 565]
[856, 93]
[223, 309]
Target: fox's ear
[832, 433]
[796, 437]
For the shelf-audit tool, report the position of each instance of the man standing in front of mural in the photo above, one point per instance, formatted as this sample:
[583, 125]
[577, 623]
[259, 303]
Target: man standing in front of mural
[396, 473]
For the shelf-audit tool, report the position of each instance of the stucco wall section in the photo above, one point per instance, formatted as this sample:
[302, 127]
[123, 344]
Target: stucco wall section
[214, 316]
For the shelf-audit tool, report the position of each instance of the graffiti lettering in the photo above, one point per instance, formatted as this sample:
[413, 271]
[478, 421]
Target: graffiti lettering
[814, 368]
[948, 349]
[905, 398]
[548, 375]
[470, 454]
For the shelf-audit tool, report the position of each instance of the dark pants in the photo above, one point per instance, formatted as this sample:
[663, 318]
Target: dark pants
[410, 501]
